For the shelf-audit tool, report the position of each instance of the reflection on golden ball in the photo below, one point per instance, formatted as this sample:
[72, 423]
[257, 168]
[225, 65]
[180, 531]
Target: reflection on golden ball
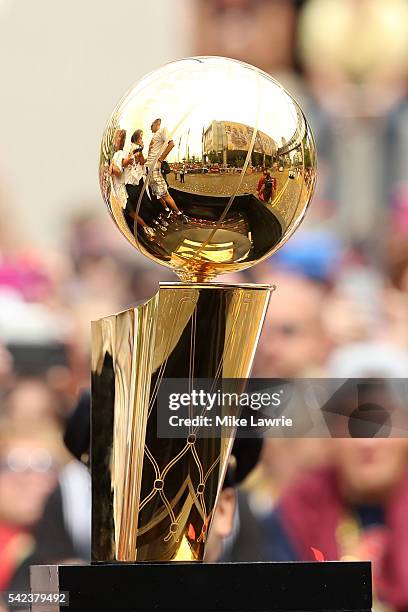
[207, 166]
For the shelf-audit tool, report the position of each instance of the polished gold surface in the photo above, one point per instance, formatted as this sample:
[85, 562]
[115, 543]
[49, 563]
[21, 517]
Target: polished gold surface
[153, 498]
[207, 166]
[224, 125]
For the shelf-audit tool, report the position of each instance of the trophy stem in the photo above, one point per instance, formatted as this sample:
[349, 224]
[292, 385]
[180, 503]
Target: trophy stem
[153, 498]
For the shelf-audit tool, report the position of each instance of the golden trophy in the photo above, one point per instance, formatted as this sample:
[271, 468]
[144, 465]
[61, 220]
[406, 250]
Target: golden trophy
[207, 166]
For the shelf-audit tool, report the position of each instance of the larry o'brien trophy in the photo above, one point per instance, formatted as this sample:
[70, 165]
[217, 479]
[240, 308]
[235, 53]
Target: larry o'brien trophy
[181, 162]
[207, 166]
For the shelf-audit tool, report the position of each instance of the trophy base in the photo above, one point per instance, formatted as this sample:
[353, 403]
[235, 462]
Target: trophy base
[218, 587]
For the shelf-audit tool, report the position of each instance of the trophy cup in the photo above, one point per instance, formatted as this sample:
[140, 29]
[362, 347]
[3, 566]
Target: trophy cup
[215, 124]
[207, 166]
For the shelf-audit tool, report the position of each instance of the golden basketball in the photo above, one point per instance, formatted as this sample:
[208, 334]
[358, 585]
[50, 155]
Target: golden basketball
[207, 166]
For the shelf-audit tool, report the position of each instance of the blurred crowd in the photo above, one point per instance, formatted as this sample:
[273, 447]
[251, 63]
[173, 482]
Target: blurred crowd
[340, 310]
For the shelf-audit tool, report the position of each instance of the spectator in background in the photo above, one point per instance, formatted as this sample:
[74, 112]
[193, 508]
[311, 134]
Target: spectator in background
[63, 534]
[235, 533]
[294, 342]
[359, 93]
[283, 460]
[355, 508]
[32, 401]
[261, 33]
[29, 463]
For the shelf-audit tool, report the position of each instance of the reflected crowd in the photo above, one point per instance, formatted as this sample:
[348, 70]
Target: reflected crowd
[340, 308]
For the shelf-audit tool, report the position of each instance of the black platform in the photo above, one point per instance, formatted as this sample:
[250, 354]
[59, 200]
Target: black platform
[223, 587]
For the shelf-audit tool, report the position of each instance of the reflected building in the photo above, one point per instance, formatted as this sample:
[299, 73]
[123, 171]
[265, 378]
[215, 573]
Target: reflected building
[228, 143]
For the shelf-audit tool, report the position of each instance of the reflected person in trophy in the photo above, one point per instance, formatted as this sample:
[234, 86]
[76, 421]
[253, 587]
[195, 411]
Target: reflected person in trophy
[268, 188]
[124, 175]
[116, 165]
[159, 148]
[134, 178]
